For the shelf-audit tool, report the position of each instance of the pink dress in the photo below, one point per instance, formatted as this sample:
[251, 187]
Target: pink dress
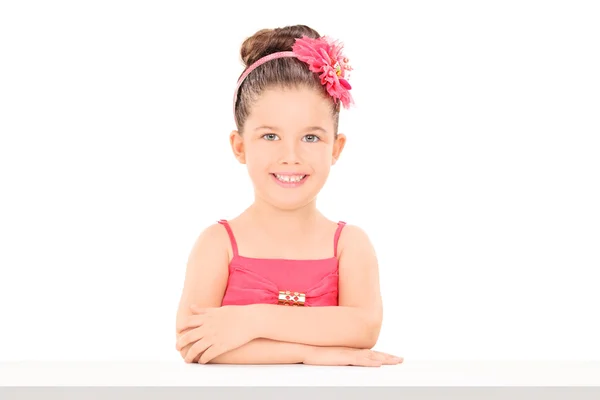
[308, 283]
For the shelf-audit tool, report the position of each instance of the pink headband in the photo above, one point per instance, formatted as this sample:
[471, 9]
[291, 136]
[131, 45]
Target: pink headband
[324, 57]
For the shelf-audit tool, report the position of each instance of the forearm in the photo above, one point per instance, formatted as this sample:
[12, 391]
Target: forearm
[318, 326]
[265, 351]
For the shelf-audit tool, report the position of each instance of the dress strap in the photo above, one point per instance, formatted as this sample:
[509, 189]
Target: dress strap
[336, 238]
[231, 237]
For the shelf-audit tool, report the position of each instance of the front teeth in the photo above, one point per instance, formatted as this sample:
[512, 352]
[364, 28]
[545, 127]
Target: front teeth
[290, 178]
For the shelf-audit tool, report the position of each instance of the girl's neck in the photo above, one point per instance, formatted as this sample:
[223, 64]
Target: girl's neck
[273, 219]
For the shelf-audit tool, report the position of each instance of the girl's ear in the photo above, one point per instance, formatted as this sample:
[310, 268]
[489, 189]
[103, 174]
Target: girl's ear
[237, 146]
[338, 146]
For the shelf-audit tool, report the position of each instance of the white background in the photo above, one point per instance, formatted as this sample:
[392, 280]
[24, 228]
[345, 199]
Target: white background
[472, 162]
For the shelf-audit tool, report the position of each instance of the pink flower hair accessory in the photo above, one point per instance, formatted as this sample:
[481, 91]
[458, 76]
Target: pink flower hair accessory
[324, 56]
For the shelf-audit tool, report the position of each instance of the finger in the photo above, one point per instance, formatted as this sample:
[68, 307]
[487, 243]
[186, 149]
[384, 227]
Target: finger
[387, 355]
[368, 362]
[183, 326]
[190, 337]
[189, 356]
[367, 358]
[179, 332]
[184, 352]
[191, 322]
[392, 360]
[383, 358]
[197, 349]
[397, 360]
[375, 355]
[389, 359]
[211, 353]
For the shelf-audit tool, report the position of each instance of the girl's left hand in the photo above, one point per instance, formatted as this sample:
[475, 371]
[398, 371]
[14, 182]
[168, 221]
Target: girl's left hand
[215, 331]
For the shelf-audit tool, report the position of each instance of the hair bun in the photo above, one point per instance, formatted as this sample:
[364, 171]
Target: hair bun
[267, 41]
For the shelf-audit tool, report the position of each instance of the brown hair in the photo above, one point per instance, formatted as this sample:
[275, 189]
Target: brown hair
[281, 72]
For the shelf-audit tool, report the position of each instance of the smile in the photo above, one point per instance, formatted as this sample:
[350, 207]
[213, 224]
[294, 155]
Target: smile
[288, 180]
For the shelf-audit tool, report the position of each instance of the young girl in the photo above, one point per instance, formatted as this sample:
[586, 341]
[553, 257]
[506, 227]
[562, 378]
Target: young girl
[280, 283]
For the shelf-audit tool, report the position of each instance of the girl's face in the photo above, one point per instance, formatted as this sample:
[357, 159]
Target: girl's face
[288, 146]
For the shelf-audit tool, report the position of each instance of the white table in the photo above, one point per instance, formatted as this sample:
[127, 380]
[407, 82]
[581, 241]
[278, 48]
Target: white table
[414, 375]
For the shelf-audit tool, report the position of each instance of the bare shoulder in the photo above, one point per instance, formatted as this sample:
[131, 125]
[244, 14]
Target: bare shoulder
[210, 251]
[359, 271]
[212, 239]
[206, 272]
[355, 241]
[353, 232]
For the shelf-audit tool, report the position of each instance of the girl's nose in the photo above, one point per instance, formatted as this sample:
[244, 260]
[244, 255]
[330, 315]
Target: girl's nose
[290, 154]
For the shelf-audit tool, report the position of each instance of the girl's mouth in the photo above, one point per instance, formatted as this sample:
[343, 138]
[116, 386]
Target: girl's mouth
[289, 180]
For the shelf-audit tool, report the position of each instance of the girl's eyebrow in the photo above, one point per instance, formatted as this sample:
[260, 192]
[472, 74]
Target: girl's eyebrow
[269, 128]
[272, 128]
[316, 128]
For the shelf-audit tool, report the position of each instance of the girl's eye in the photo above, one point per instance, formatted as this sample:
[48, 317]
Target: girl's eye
[270, 136]
[312, 138]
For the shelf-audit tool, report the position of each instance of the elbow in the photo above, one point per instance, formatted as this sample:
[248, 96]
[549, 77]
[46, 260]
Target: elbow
[371, 337]
[370, 334]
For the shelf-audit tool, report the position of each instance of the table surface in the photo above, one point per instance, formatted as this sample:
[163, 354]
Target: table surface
[409, 373]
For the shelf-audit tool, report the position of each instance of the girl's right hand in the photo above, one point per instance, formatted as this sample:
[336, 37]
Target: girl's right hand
[349, 356]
